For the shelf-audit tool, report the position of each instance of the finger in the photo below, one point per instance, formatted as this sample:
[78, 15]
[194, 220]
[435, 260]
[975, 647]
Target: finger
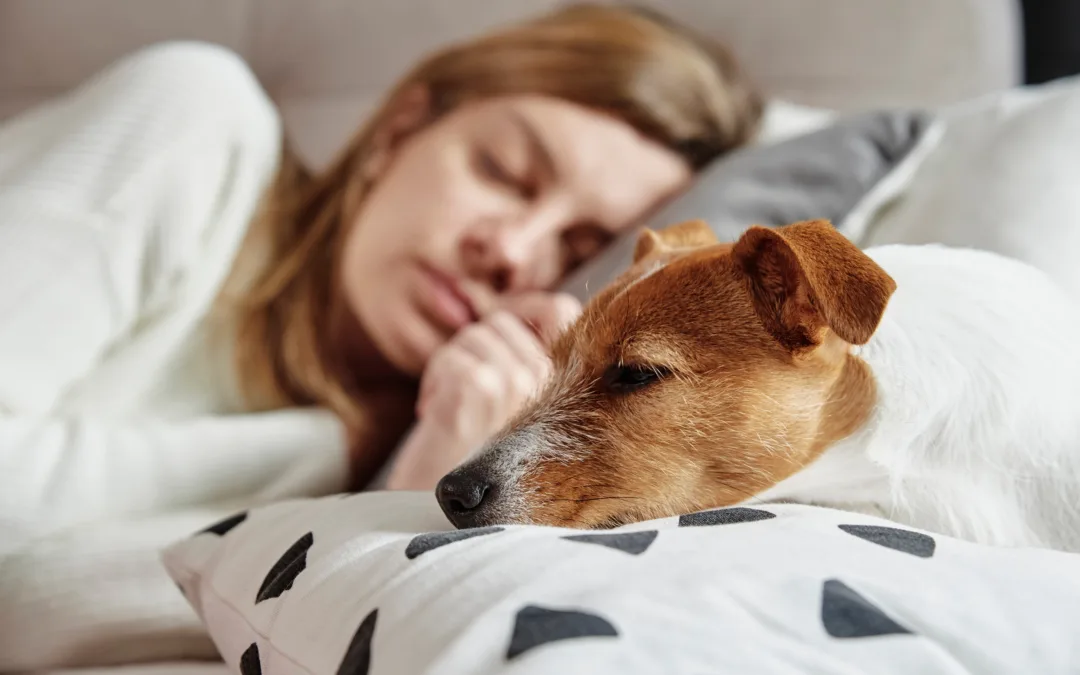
[507, 366]
[486, 344]
[448, 381]
[526, 346]
[428, 382]
[422, 398]
[444, 367]
[474, 396]
[565, 311]
[548, 314]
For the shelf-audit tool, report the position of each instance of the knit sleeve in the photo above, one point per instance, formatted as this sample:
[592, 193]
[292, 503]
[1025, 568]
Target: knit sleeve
[118, 200]
[57, 472]
[121, 206]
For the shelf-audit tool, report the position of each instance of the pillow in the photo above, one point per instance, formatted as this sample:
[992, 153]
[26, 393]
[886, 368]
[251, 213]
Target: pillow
[374, 583]
[821, 174]
[782, 120]
[1003, 177]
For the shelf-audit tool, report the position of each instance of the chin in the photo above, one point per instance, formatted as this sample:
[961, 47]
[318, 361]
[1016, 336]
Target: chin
[412, 341]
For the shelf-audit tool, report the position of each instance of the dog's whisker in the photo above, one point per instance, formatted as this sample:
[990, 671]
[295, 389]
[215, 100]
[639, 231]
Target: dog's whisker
[578, 500]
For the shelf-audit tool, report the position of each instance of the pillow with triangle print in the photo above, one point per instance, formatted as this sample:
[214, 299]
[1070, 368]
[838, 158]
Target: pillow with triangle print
[379, 583]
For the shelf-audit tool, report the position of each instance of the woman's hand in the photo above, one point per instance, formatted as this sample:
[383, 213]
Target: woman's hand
[476, 382]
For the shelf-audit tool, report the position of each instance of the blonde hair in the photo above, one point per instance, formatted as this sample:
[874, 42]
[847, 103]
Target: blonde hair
[675, 88]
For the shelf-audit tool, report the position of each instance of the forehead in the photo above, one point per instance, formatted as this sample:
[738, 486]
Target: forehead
[666, 305]
[610, 170]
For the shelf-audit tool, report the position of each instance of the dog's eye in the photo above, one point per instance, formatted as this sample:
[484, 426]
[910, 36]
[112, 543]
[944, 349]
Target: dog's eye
[625, 378]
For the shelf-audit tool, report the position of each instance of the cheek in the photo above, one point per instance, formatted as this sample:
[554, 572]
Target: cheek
[682, 449]
[354, 263]
[619, 468]
[431, 194]
[610, 488]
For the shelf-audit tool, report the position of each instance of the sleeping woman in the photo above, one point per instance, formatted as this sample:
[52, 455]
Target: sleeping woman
[194, 323]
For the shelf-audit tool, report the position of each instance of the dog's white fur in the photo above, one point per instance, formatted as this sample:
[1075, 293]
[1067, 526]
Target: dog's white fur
[976, 431]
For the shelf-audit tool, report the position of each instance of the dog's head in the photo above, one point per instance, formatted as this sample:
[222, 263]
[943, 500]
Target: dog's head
[705, 374]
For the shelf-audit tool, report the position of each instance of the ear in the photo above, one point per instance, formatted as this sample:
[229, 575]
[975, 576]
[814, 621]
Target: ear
[405, 114]
[807, 277]
[688, 234]
[648, 242]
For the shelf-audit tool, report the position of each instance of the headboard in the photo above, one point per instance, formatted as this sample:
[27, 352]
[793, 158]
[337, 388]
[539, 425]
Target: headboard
[326, 62]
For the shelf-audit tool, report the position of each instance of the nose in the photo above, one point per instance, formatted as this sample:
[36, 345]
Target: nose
[502, 259]
[512, 256]
[462, 494]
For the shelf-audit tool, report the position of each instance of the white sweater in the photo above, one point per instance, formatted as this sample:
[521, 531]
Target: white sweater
[122, 205]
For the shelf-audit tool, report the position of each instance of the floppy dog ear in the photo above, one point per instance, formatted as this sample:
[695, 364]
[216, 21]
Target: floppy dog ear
[806, 277]
[688, 234]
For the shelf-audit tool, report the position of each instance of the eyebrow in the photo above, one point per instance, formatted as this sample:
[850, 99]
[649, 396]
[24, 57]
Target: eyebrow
[536, 145]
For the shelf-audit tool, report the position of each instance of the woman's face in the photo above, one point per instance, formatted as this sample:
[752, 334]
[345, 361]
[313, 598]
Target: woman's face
[493, 199]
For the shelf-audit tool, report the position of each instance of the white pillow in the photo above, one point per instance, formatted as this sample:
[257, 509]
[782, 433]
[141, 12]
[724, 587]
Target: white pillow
[373, 583]
[782, 120]
[1002, 174]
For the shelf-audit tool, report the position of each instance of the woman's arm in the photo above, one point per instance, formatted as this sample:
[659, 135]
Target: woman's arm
[122, 204]
[64, 303]
[120, 201]
[56, 472]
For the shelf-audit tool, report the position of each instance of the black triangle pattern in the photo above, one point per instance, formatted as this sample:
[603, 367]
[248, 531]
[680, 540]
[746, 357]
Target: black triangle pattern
[535, 626]
[634, 543]
[906, 541]
[221, 528]
[250, 664]
[737, 514]
[422, 543]
[281, 576]
[357, 659]
[847, 614]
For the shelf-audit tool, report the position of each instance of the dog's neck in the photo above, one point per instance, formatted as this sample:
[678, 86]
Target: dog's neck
[955, 441]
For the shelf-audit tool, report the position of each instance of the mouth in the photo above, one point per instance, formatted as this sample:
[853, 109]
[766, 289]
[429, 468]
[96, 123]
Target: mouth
[444, 299]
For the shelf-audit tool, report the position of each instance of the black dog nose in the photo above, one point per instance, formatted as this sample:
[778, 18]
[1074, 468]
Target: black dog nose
[460, 494]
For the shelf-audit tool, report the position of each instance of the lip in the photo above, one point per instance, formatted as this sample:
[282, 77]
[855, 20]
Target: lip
[445, 300]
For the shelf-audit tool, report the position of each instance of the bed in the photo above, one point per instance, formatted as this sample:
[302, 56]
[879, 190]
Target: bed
[877, 110]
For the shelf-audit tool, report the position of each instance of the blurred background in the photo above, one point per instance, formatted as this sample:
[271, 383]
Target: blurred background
[326, 62]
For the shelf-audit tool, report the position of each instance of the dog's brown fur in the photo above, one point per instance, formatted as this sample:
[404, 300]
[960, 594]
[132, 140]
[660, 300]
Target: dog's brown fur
[753, 342]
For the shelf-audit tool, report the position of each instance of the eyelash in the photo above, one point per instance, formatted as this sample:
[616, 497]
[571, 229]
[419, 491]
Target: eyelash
[595, 239]
[625, 379]
[493, 169]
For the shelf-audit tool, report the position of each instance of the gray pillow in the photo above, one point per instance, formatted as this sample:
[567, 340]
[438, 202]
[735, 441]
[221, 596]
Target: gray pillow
[822, 174]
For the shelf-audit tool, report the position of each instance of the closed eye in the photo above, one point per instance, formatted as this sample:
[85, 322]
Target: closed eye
[494, 170]
[625, 378]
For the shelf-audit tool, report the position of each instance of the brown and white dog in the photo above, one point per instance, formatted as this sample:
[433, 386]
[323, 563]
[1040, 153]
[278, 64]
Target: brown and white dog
[935, 386]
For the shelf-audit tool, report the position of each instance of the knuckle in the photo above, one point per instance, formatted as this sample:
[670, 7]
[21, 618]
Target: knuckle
[507, 324]
[566, 304]
[489, 382]
[544, 368]
[474, 332]
[446, 358]
[524, 384]
[501, 316]
[453, 397]
[566, 309]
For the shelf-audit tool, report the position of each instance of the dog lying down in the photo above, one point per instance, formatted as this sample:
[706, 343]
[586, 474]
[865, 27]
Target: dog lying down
[935, 386]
